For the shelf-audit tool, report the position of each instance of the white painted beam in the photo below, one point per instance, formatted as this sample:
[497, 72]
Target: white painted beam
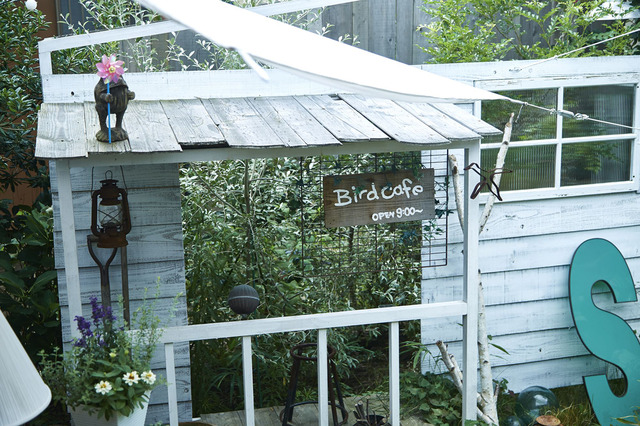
[171, 383]
[394, 372]
[247, 380]
[323, 378]
[470, 291]
[313, 322]
[68, 230]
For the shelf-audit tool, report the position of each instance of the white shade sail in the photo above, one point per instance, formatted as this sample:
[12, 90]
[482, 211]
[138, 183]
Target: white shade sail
[23, 394]
[312, 56]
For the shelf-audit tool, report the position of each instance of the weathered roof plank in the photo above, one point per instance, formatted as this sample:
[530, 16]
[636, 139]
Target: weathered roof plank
[241, 124]
[61, 131]
[467, 119]
[308, 129]
[149, 129]
[191, 123]
[345, 123]
[394, 120]
[442, 123]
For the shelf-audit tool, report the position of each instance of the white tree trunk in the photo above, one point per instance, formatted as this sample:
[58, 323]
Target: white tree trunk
[488, 398]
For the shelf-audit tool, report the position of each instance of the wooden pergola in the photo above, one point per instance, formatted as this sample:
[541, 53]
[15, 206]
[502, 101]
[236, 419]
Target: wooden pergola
[211, 116]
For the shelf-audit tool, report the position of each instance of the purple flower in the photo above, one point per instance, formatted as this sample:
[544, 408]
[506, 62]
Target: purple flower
[101, 313]
[84, 326]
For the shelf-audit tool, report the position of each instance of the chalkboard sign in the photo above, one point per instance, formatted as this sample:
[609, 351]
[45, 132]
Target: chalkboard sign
[371, 198]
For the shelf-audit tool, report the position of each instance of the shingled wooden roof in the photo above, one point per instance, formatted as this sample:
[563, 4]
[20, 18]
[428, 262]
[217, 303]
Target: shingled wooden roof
[67, 130]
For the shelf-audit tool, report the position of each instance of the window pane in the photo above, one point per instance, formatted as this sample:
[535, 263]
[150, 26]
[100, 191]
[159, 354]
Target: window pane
[607, 103]
[531, 166]
[595, 162]
[532, 124]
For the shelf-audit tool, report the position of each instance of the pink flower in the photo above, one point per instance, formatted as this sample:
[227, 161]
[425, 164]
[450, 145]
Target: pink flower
[110, 69]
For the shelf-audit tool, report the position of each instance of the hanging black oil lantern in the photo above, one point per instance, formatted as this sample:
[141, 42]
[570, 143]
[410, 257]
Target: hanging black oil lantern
[243, 299]
[110, 219]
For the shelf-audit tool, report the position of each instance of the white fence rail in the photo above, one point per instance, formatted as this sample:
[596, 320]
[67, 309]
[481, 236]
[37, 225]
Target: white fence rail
[321, 322]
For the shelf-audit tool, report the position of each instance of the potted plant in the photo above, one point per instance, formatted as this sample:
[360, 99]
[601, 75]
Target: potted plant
[106, 377]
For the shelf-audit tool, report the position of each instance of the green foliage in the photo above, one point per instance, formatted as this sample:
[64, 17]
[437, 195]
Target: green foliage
[28, 286]
[148, 54]
[108, 369]
[242, 225]
[432, 397]
[20, 95]
[486, 30]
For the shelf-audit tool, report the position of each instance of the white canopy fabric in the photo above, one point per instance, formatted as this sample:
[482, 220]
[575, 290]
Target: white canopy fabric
[23, 394]
[312, 56]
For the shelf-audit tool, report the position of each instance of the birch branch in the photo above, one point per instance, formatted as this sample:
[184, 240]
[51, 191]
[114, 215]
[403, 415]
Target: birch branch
[456, 374]
[457, 189]
[502, 154]
[486, 376]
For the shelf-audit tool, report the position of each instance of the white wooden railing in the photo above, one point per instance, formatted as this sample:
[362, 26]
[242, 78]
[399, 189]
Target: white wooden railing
[321, 322]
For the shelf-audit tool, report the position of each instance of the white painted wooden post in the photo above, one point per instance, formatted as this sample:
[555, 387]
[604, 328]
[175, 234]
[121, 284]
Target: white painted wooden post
[172, 396]
[323, 379]
[68, 230]
[394, 372]
[247, 377]
[635, 145]
[470, 291]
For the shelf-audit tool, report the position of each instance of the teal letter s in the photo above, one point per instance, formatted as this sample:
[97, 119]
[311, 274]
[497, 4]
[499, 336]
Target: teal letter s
[605, 335]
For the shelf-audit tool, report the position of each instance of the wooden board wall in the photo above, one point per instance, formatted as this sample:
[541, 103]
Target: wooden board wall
[155, 259]
[525, 253]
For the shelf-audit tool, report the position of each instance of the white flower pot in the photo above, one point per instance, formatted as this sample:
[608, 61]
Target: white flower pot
[82, 418]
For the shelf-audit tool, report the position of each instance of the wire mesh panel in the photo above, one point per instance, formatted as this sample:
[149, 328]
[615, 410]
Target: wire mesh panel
[351, 250]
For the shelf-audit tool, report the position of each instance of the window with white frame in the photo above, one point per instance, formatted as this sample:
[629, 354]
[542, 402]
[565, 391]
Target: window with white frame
[551, 151]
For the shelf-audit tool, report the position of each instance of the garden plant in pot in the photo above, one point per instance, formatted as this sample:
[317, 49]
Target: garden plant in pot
[105, 378]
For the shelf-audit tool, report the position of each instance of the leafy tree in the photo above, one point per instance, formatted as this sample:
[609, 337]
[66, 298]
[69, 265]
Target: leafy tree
[487, 30]
[20, 96]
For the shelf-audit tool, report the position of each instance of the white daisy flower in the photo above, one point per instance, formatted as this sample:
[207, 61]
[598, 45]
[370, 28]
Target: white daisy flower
[103, 387]
[131, 378]
[148, 377]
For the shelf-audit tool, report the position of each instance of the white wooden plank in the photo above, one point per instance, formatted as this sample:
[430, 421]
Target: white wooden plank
[394, 372]
[92, 125]
[305, 126]
[276, 121]
[191, 124]
[241, 124]
[524, 317]
[361, 23]
[159, 206]
[247, 381]
[135, 177]
[345, 123]
[538, 251]
[513, 286]
[312, 322]
[169, 275]
[323, 378]
[470, 293]
[61, 132]
[146, 244]
[172, 396]
[558, 215]
[148, 128]
[70, 253]
[160, 413]
[394, 120]
[467, 119]
[439, 121]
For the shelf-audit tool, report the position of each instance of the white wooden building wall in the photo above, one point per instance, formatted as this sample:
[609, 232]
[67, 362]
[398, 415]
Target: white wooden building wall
[524, 254]
[527, 246]
[155, 260]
